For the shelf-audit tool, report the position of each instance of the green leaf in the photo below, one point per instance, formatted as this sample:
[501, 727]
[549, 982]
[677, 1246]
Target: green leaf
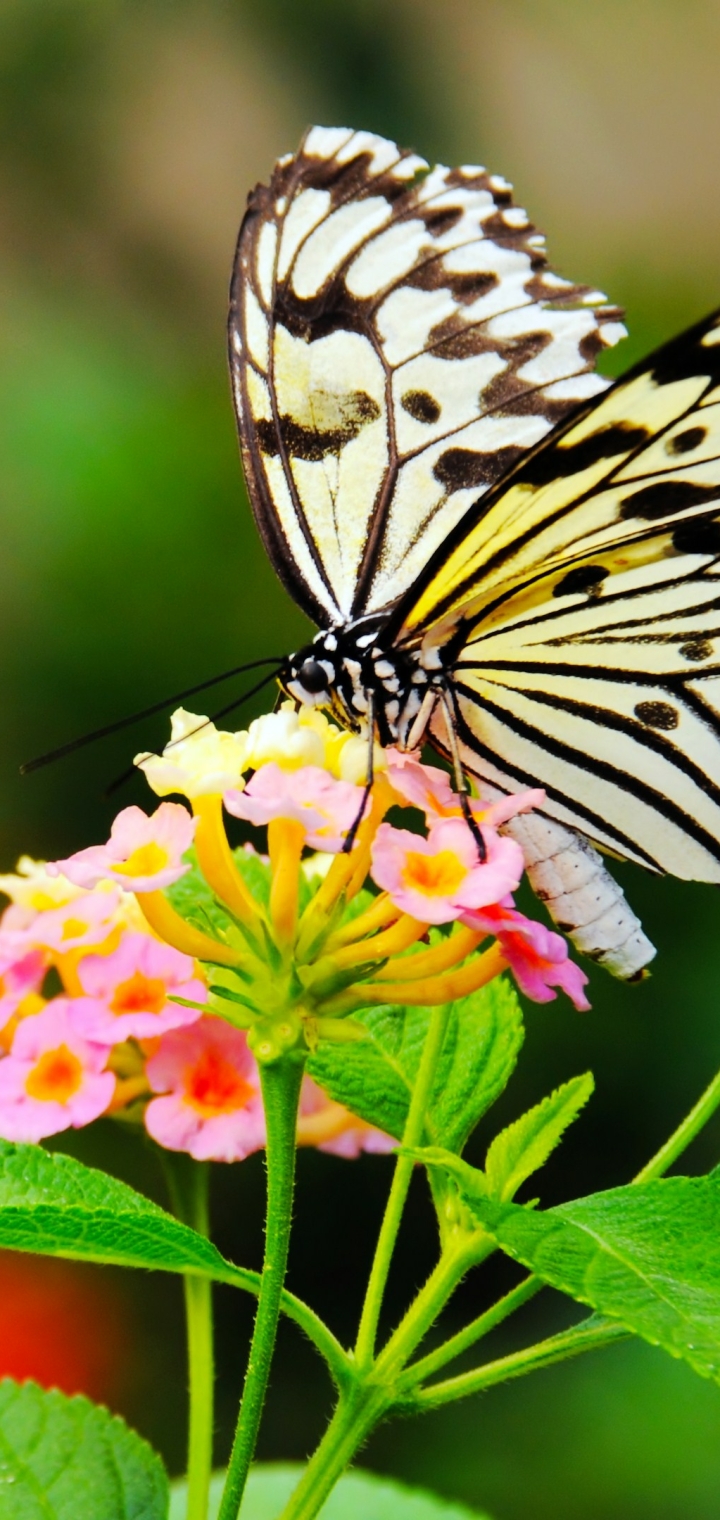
[524, 1146]
[374, 1078]
[646, 1255]
[357, 1496]
[67, 1459]
[54, 1205]
[194, 900]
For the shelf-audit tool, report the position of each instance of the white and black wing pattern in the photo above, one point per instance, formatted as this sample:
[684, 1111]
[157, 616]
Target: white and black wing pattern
[397, 343]
[586, 613]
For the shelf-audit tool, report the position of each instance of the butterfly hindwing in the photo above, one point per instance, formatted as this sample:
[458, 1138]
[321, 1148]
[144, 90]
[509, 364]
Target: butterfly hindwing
[397, 342]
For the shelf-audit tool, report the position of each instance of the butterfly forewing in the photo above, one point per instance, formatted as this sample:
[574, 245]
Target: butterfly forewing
[397, 343]
[621, 485]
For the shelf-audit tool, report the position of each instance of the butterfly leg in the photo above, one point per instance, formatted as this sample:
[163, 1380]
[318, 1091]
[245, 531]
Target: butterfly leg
[421, 720]
[369, 777]
[461, 785]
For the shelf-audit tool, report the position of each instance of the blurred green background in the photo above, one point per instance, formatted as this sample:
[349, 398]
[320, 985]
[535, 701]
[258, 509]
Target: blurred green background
[130, 132]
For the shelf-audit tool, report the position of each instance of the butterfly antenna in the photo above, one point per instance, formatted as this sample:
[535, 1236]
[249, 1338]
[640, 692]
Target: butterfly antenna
[147, 712]
[221, 713]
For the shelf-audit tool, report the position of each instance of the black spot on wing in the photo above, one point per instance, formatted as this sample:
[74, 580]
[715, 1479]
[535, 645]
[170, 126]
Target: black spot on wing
[350, 180]
[439, 219]
[421, 405]
[301, 442]
[685, 442]
[311, 317]
[700, 536]
[657, 715]
[463, 469]
[583, 578]
[696, 650]
[606, 443]
[666, 497]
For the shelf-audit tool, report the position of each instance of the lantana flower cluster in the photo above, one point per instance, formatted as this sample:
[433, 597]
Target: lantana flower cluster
[147, 977]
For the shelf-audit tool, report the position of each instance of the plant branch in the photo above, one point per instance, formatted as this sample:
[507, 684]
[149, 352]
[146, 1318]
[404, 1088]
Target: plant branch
[413, 1135]
[686, 1131]
[301, 1314]
[471, 1333]
[355, 1416]
[468, 1251]
[588, 1336]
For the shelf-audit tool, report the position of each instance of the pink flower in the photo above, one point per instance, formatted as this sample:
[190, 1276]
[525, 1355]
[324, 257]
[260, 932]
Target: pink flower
[52, 1079]
[127, 992]
[87, 920]
[437, 879]
[537, 957]
[423, 786]
[142, 853]
[332, 1128]
[429, 788]
[18, 978]
[213, 1108]
[325, 807]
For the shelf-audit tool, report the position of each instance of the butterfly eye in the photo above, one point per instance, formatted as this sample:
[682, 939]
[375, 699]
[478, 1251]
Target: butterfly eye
[313, 677]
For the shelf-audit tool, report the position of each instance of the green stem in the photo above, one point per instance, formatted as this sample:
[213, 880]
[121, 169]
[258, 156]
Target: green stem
[585, 1337]
[189, 1185]
[471, 1333]
[455, 1261]
[198, 1312]
[413, 1134]
[281, 1081]
[300, 1313]
[682, 1136]
[355, 1416]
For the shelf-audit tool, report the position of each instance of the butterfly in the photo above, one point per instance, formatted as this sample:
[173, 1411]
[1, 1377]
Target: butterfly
[505, 554]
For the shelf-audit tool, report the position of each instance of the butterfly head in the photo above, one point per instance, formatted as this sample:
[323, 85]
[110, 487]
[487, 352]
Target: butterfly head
[347, 670]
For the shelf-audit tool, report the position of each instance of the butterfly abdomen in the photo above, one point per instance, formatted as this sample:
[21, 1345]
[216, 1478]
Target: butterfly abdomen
[584, 900]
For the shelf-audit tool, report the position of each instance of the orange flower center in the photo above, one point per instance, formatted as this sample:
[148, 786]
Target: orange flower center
[139, 994]
[434, 875]
[146, 860]
[214, 1086]
[55, 1077]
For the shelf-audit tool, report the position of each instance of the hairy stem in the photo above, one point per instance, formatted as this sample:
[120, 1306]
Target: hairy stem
[281, 1081]
[355, 1416]
[413, 1135]
[457, 1258]
[471, 1333]
[588, 1336]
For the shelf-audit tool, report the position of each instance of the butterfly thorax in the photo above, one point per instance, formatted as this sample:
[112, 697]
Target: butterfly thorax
[348, 669]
